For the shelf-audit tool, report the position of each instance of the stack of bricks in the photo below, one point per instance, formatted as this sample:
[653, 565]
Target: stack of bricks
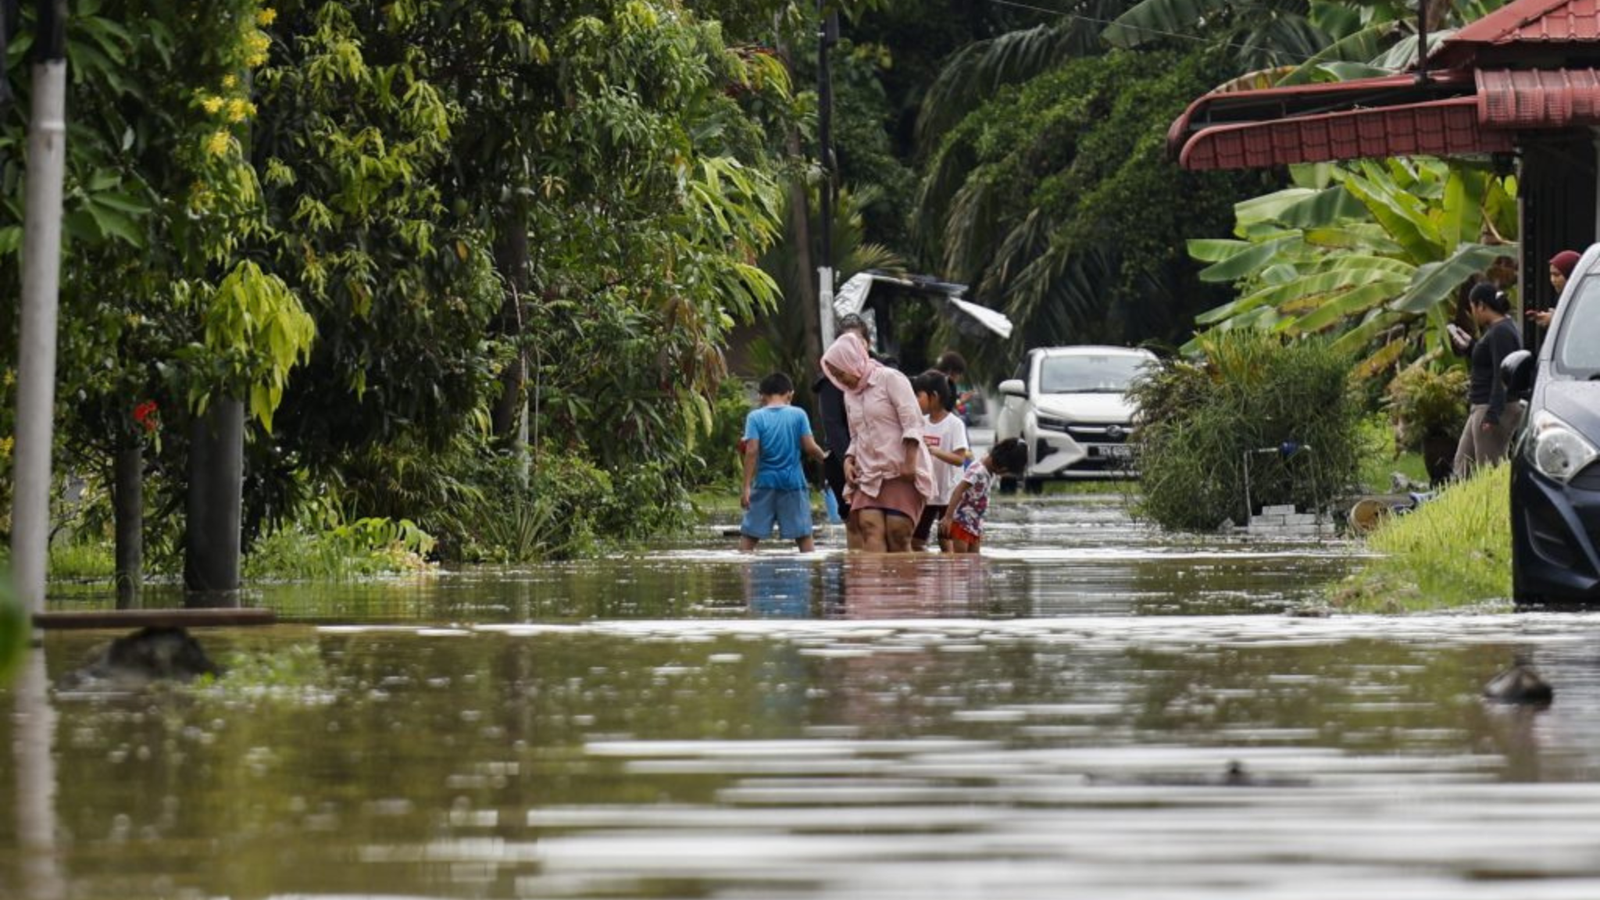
[1287, 522]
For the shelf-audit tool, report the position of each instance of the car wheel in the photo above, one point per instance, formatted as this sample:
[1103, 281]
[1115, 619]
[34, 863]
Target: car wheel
[1034, 486]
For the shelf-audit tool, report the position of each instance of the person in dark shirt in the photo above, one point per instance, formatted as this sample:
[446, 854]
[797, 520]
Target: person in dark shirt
[1492, 419]
[836, 430]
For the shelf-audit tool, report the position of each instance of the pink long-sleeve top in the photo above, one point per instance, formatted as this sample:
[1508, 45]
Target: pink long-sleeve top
[883, 416]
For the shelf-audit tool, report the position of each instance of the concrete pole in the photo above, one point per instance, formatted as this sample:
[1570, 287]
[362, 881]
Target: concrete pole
[825, 305]
[41, 277]
[34, 740]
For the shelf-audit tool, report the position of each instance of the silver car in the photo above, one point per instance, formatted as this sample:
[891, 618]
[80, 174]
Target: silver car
[1070, 405]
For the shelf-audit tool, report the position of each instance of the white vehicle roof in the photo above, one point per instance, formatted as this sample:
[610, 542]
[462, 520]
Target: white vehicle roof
[1092, 350]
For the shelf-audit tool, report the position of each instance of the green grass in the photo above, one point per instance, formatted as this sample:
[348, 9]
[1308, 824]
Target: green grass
[715, 502]
[1380, 460]
[1452, 551]
[365, 548]
[82, 561]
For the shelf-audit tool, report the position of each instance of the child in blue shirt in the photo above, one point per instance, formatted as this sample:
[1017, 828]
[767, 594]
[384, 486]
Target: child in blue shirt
[775, 489]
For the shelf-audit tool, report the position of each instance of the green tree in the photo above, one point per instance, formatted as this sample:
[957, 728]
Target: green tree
[1056, 202]
[159, 309]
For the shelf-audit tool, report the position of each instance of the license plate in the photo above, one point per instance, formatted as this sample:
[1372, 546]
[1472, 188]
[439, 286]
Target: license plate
[1111, 451]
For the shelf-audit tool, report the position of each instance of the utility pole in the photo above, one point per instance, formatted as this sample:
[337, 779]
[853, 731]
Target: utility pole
[1422, 41]
[827, 37]
[41, 280]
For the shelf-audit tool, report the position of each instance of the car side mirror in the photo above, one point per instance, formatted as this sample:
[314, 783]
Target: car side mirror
[1516, 373]
[1014, 387]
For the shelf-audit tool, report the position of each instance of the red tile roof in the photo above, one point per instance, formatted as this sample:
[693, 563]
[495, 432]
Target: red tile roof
[1435, 128]
[1461, 108]
[1525, 24]
[1532, 20]
[1536, 98]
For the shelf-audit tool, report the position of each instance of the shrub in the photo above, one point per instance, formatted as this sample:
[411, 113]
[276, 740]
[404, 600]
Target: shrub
[715, 459]
[13, 627]
[1425, 403]
[358, 549]
[1250, 392]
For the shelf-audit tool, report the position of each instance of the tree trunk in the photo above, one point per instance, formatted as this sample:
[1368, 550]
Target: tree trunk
[806, 274]
[127, 505]
[215, 499]
[511, 257]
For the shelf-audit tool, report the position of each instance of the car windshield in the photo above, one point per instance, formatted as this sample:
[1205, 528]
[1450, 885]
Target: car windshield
[1577, 351]
[1088, 374]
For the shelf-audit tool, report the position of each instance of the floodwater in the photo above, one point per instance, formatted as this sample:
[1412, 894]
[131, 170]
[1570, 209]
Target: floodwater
[1090, 710]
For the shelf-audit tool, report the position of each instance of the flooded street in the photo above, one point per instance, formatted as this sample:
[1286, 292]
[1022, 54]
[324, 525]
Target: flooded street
[1089, 710]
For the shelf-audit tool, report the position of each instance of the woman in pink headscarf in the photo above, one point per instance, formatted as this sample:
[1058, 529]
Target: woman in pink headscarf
[888, 474]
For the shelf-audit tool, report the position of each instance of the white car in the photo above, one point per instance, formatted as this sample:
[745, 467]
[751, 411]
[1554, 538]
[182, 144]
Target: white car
[1070, 406]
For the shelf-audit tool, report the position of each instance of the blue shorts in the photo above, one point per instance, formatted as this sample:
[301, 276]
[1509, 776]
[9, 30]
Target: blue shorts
[788, 508]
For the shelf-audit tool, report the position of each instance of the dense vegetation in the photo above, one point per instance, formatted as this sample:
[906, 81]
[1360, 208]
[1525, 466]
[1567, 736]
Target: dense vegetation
[1287, 415]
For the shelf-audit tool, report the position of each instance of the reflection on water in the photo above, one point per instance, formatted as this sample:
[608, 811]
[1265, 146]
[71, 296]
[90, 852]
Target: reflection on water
[1069, 714]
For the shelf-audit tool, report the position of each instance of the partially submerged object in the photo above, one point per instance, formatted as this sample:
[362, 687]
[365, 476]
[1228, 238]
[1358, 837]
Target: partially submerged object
[1522, 684]
[151, 654]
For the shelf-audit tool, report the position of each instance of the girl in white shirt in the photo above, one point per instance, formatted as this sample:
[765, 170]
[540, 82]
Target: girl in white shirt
[946, 437]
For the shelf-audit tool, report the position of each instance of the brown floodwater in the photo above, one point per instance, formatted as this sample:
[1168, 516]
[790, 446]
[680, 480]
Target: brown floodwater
[1088, 710]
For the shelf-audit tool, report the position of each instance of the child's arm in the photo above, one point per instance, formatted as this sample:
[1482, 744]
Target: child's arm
[945, 456]
[950, 509]
[752, 453]
[812, 448]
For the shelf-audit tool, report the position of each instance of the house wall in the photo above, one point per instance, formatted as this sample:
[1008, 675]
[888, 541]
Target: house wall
[1557, 188]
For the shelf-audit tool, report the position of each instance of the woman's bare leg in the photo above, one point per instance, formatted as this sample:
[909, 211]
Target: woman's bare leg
[897, 533]
[869, 522]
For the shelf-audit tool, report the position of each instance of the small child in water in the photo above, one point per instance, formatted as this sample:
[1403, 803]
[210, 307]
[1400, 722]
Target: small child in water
[775, 489]
[969, 503]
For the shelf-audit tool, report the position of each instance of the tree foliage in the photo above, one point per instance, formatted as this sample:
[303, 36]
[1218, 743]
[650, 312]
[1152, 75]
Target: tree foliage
[1373, 255]
[1056, 202]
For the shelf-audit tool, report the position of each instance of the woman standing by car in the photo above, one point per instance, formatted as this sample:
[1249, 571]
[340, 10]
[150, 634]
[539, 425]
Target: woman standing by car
[887, 468]
[1561, 266]
[1492, 419]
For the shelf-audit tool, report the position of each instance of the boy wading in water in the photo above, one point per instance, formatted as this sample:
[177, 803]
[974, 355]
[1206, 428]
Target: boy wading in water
[963, 518]
[774, 437]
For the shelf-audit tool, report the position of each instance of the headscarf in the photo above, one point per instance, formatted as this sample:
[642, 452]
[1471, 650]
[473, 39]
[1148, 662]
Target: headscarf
[849, 354]
[1565, 261]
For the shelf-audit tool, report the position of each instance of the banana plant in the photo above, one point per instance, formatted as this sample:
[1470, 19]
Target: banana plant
[1372, 254]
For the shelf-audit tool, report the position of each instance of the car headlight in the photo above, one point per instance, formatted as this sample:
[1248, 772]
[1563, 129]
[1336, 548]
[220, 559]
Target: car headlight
[1051, 423]
[1556, 448]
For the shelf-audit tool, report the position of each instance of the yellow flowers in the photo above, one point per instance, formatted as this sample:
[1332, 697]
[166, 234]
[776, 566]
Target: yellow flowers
[219, 143]
[6, 444]
[256, 44]
[240, 109]
[229, 82]
[211, 104]
[266, 17]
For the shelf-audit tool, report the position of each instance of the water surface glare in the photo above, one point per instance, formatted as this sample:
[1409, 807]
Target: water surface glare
[1091, 710]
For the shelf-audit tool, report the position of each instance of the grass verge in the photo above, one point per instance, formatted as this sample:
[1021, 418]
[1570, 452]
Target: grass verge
[1452, 551]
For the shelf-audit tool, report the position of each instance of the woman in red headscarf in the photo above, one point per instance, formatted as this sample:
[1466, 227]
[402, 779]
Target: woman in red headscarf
[888, 473]
[1561, 266]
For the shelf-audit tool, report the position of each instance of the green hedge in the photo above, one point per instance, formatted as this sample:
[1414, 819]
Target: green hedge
[1249, 392]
